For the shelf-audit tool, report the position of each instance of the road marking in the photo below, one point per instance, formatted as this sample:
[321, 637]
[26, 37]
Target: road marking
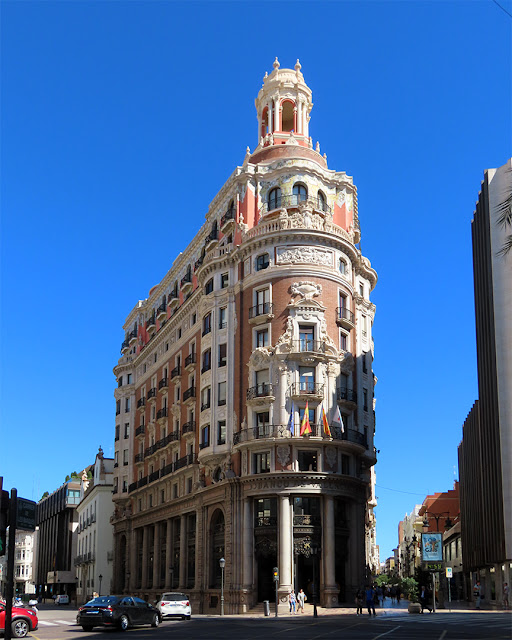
[385, 634]
[358, 624]
[65, 622]
[443, 634]
[45, 623]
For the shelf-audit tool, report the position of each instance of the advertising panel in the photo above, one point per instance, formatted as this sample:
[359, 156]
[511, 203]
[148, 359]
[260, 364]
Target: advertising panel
[431, 547]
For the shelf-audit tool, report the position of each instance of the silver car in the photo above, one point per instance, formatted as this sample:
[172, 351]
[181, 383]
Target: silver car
[174, 605]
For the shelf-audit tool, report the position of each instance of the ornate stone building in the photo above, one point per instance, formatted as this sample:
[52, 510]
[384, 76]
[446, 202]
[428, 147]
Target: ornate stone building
[266, 313]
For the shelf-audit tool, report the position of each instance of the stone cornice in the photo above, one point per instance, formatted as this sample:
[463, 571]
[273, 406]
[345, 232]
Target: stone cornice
[333, 484]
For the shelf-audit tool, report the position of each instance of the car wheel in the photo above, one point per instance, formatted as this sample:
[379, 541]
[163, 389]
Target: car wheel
[124, 623]
[20, 628]
[187, 617]
[156, 620]
[86, 627]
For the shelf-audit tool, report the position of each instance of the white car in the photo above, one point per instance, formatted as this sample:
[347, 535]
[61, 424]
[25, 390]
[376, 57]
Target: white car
[63, 598]
[174, 605]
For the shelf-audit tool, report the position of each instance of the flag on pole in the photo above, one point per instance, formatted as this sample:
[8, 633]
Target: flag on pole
[337, 419]
[291, 421]
[325, 422]
[305, 427]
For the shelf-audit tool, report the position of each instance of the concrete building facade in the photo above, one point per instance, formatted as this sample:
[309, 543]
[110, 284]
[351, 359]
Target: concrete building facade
[248, 389]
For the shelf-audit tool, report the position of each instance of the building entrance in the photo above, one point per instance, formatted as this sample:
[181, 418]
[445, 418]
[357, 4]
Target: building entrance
[266, 588]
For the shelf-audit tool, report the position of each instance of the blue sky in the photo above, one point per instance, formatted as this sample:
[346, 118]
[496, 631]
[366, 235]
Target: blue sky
[122, 120]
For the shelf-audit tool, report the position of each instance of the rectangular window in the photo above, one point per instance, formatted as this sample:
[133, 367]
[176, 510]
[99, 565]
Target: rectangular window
[205, 436]
[365, 367]
[207, 324]
[125, 457]
[207, 361]
[223, 315]
[262, 424]
[365, 399]
[194, 318]
[189, 485]
[343, 341]
[221, 399]
[174, 490]
[306, 338]
[311, 416]
[307, 379]
[262, 338]
[221, 432]
[262, 383]
[224, 280]
[262, 302]
[307, 460]
[117, 432]
[223, 354]
[262, 262]
[127, 405]
[205, 398]
[118, 407]
[126, 430]
[125, 484]
[120, 381]
[129, 378]
[208, 288]
[364, 324]
[345, 464]
[261, 462]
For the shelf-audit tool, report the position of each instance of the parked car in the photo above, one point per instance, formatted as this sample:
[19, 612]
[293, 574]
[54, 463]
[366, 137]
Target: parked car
[24, 620]
[63, 598]
[117, 611]
[174, 605]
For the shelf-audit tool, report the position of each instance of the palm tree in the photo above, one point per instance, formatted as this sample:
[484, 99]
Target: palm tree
[504, 219]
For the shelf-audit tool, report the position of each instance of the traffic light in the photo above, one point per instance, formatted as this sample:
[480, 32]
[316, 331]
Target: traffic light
[275, 573]
[4, 521]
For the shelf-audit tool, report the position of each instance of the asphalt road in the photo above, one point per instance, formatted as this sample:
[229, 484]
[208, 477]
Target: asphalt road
[467, 625]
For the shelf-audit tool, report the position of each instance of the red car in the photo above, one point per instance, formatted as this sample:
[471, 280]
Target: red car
[23, 620]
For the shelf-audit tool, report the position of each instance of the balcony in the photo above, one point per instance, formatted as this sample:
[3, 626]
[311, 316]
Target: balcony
[142, 482]
[176, 372]
[206, 367]
[162, 414]
[174, 300]
[262, 393]
[132, 487]
[163, 385]
[227, 222]
[152, 393]
[141, 404]
[116, 464]
[314, 347]
[203, 445]
[186, 284]
[190, 361]
[161, 312]
[154, 476]
[261, 313]
[132, 337]
[307, 391]
[345, 318]
[189, 427]
[189, 396]
[151, 324]
[211, 239]
[293, 202]
[125, 346]
[347, 397]
[184, 462]
[140, 430]
[205, 405]
[139, 457]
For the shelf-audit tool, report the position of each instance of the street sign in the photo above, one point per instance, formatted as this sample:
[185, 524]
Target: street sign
[449, 572]
[26, 514]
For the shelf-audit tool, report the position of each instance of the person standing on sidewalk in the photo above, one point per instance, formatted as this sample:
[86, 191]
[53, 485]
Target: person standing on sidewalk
[301, 598]
[370, 600]
[478, 594]
[291, 600]
[359, 601]
[506, 591]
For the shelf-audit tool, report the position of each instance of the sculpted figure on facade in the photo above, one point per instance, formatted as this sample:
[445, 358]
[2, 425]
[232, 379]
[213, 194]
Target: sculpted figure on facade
[284, 343]
[306, 289]
[309, 255]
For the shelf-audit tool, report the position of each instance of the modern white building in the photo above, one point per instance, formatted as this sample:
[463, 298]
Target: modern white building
[95, 534]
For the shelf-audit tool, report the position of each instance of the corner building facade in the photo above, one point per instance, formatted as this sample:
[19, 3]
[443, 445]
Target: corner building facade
[266, 313]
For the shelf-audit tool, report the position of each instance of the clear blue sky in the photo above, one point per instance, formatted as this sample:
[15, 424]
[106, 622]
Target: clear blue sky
[122, 120]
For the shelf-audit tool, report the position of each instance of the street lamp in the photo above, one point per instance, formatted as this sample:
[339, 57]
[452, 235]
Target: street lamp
[437, 516]
[100, 577]
[315, 550]
[222, 564]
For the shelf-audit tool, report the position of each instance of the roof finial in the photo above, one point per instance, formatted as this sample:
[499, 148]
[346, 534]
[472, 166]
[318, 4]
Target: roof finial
[298, 66]
[276, 64]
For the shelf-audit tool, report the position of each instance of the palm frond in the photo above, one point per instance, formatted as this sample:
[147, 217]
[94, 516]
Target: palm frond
[504, 208]
[507, 246]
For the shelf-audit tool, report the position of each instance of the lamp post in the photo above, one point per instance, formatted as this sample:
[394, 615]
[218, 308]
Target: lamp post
[222, 563]
[100, 578]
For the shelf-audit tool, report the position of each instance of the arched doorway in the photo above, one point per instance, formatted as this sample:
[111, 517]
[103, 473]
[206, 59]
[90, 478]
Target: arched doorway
[217, 541]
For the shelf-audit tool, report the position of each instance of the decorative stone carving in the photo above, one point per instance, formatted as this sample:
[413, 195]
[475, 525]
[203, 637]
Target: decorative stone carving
[284, 342]
[306, 289]
[305, 255]
[325, 336]
[283, 455]
[260, 356]
[331, 456]
[244, 463]
[347, 362]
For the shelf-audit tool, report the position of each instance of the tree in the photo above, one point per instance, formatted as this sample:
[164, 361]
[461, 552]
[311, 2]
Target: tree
[45, 495]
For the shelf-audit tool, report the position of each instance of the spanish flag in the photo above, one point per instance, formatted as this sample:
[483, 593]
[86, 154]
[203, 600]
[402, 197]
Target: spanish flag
[325, 422]
[305, 427]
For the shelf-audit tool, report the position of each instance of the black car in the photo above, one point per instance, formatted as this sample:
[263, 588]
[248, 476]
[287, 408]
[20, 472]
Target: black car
[117, 611]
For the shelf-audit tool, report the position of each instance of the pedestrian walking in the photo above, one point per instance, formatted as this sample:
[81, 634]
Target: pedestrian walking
[292, 601]
[506, 592]
[424, 599]
[393, 594]
[398, 594]
[478, 594]
[380, 596]
[370, 600]
[359, 602]
[301, 598]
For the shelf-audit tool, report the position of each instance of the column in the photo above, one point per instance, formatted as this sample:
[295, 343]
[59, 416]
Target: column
[168, 555]
[183, 551]
[131, 552]
[282, 393]
[247, 545]
[156, 556]
[330, 590]
[145, 540]
[270, 113]
[285, 547]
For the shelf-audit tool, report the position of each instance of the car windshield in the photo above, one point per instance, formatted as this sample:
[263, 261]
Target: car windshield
[173, 597]
[102, 601]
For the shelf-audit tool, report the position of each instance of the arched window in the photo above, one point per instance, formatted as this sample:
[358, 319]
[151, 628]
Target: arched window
[342, 266]
[322, 203]
[217, 528]
[288, 116]
[264, 122]
[274, 198]
[300, 192]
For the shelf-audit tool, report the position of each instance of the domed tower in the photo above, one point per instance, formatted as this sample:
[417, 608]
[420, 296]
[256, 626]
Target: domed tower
[254, 385]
